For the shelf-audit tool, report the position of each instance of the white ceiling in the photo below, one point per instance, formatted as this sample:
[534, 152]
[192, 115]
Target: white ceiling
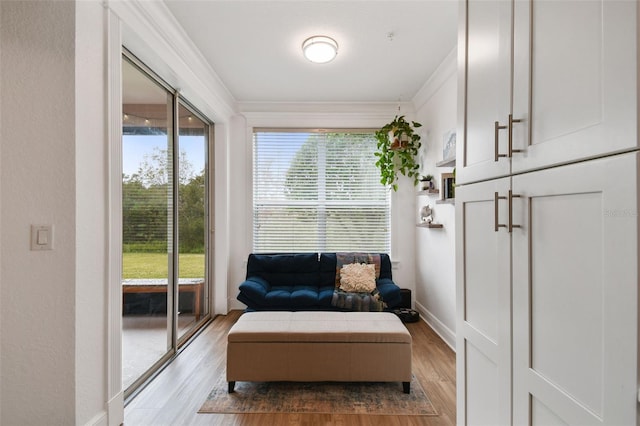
[255, 46]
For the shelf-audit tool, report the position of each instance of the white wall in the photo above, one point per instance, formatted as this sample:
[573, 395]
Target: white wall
[38, 186]
[239, 227]
[435, 248]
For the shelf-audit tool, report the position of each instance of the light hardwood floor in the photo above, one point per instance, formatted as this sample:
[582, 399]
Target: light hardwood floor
[176, 394]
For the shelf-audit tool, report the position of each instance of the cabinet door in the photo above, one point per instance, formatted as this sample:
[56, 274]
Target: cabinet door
[574, 81]
[483, 89]
[575, 294]
[483, 329]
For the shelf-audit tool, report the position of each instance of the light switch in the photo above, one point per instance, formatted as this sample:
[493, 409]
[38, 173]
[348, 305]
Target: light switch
[41, 237]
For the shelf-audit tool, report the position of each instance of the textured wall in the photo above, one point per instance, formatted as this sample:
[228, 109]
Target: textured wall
[37, 291]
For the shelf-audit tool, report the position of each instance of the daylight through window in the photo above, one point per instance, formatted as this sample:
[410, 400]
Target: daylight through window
[318, 192]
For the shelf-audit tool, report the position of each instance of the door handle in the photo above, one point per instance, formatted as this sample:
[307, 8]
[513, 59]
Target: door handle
[496, 222]
[496, 129]
[511, 197]
[510, 130]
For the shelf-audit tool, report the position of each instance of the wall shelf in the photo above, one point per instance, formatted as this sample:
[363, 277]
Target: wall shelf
[430, 225]
[446, 163]
[429, 192]
[446, 201]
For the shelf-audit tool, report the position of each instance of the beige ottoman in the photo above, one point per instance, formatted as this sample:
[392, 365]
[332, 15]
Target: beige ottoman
[319, 346]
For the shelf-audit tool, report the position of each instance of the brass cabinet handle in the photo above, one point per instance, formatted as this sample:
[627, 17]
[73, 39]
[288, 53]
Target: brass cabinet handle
[496, 224]
[497, 127]
[511, 197]
[510, 126]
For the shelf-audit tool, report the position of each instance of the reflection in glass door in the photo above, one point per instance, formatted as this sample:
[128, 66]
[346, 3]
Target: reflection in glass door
[164, 289]
[192, 214]
[147, 215]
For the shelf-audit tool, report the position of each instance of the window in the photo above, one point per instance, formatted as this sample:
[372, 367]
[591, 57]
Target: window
[318, 192]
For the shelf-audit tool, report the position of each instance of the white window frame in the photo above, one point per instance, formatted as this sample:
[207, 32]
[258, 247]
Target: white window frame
[390, 239]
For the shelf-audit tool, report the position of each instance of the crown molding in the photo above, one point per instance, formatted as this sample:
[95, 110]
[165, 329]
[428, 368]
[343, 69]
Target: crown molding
[151, 32]
[321, 115]
[446, 69]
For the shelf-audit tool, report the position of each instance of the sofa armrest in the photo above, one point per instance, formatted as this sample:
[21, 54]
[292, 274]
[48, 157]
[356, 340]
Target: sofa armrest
[389, 291]
[255, 288]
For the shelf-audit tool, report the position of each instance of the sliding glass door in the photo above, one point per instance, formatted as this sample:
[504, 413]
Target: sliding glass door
[165, 195]
[192, 223]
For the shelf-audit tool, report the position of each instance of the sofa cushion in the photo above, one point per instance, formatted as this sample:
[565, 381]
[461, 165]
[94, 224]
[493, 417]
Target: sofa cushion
[296, 296]
[325, 295]
[320, 327]
[285, 269]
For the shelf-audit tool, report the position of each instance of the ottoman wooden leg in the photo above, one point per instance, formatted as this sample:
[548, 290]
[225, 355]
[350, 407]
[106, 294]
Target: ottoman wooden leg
[232, 386]
[406, 387]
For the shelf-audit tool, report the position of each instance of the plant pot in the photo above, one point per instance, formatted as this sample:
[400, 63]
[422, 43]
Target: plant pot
[426, 185]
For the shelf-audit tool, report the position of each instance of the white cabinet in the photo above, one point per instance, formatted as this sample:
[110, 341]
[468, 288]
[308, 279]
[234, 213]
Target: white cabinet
[544, 83]
[575, 293]
[547, 213]
[484, 54]
[574, 81]
[483, 331]
[547, 319]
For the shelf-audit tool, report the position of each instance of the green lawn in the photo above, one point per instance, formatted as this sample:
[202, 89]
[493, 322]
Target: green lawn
[154, 265]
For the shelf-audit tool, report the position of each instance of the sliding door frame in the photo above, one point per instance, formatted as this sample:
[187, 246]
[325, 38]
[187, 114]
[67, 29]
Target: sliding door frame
[176, 342]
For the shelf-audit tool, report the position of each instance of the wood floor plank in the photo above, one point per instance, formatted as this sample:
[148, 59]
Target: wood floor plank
[176, 394]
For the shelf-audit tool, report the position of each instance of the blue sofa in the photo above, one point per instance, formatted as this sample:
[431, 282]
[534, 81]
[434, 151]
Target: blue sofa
[303, 281]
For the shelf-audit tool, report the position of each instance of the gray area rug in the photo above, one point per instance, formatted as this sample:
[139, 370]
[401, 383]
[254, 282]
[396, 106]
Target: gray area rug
[378, 398]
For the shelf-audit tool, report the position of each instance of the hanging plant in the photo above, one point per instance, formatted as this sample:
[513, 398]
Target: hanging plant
[398, 146]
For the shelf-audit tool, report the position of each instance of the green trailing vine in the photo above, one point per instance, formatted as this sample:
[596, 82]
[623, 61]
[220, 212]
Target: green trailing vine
[398, 146]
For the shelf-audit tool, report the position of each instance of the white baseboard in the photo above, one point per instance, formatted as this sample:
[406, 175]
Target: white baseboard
[441, 330]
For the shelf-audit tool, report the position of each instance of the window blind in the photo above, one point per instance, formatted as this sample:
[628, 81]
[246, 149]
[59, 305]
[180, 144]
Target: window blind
[318, 192]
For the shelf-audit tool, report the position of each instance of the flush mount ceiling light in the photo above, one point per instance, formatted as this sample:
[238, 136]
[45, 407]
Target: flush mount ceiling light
[320, 49]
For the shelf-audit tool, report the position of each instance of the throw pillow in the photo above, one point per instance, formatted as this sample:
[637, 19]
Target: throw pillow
[358, 278]
[344, 258]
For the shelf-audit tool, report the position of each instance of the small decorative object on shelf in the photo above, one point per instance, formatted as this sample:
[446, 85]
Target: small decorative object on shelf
[426, 182]
[426, 214]
[448, 186]
[449, 145]
[426, 218]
